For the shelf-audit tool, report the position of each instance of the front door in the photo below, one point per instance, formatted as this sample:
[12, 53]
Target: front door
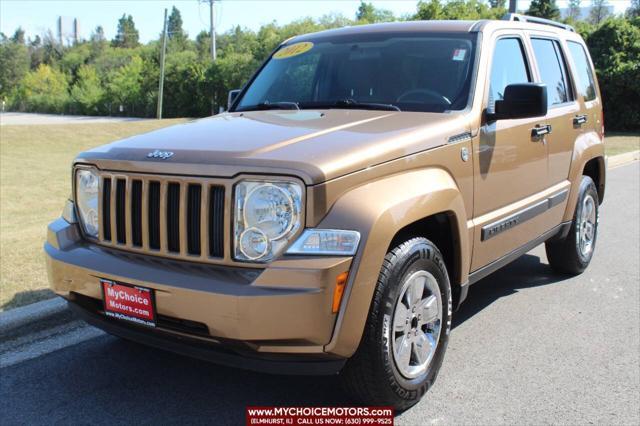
[510, 164]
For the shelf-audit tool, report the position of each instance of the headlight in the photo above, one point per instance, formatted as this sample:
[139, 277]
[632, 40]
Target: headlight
[87, 200]
[267, 215]
[327, 242]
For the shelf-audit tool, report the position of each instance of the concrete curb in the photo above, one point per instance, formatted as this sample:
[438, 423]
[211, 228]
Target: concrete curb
[46, 311]
[623, 159]
[25, 316]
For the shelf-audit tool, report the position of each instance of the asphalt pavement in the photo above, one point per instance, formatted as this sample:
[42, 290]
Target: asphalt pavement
[528, 347]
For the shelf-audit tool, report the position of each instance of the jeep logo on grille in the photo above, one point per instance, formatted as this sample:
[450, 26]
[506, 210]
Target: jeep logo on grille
[165, 155]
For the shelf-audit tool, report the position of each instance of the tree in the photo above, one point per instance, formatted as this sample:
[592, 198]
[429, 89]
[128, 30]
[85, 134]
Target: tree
[97, 36]
[14, 63]
[497, 4]
[368, 14]
[174, 28]
[127, 35]
[88, 91]
[18, 36]
[203, 44]
[43, 90]
[125, 84]
[429, 10]
[634, 9]
[466, 9]
[574, 10]
[547, 9]
[599, 11]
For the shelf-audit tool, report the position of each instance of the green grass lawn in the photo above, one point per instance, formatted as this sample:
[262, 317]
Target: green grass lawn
[618, 143]
[35, 181]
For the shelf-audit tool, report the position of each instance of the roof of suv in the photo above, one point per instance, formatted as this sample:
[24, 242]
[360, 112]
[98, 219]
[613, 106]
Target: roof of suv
[509, 21]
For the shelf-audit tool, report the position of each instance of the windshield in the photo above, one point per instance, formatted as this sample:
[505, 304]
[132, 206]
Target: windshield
[410, 72]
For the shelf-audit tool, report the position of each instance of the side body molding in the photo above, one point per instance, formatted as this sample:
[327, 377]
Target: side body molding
[378, 210]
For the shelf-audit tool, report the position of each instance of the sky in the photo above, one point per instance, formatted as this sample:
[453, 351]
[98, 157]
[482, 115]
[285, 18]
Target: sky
[38, 16]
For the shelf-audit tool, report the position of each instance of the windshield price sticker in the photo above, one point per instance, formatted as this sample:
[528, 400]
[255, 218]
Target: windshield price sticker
[293, 50]
[459, 54]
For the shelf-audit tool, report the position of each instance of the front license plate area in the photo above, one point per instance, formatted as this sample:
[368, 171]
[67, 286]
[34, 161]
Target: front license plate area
[129, 303]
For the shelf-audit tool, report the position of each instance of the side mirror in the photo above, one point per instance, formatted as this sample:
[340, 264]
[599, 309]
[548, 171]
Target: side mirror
[521, 100]
[233, 94]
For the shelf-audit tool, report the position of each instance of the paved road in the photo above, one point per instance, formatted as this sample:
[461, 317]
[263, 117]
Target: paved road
[528, 347]
[23, 118]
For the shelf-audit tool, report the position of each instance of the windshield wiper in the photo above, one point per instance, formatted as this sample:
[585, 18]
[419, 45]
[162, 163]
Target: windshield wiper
[352, 103]
[273, 105]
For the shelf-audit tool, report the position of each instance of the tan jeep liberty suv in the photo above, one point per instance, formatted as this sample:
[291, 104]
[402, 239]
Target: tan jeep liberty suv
[333, 219]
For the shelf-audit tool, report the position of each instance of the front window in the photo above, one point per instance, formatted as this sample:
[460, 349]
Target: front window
[509, 66]
[405, 71]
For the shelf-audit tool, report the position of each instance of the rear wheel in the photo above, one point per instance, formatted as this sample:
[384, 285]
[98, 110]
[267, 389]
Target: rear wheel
[407, 329]
[572, 254]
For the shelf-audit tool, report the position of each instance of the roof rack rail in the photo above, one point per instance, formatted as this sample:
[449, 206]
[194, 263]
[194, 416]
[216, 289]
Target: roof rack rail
[536, 20]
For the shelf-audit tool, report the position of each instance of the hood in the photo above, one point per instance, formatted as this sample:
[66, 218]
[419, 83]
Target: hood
[314, 145]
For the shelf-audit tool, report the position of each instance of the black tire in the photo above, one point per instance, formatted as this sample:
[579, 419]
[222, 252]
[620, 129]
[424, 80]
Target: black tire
[371, 375]
[565, 255]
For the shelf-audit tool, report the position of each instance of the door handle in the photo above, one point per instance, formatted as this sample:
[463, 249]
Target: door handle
[538, 131]
[579, 120]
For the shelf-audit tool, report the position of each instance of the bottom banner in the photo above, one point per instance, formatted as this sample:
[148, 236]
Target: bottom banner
[319, 416]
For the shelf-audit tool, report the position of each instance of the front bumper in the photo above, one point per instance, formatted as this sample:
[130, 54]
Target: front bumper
[281, 310]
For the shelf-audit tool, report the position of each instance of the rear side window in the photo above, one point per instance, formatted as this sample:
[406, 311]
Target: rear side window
[585, 81]
[508, 67]
[552, 69]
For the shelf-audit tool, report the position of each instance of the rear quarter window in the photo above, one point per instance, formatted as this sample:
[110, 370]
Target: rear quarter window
[585, 81]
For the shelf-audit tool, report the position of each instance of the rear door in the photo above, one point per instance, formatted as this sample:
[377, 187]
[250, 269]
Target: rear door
[564, 115]
[586, 89]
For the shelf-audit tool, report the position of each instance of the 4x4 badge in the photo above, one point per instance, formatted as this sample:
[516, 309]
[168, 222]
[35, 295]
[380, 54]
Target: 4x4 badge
[165, 155]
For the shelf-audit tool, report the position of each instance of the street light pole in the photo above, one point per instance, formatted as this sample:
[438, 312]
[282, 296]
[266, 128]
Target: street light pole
[162, 55]
[212, 26]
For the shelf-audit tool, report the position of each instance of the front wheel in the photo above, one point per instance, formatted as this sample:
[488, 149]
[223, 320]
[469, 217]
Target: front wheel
[407, 330]
[573, 253]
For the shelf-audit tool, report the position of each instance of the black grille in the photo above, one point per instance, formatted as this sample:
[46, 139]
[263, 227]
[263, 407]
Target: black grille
[193, 219]
[121, 232]
[136, 213]
[185, 218]
[173, 217]
[106, 209]
[216, 221]
[154, 215]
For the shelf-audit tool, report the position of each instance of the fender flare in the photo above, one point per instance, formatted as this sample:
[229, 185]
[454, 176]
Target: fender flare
[378, 210]
[586, 148]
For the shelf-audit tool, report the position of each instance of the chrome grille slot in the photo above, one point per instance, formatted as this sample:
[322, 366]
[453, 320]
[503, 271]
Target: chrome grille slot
[175, 217]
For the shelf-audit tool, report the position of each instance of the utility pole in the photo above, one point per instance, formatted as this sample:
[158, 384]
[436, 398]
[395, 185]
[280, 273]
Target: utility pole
[162, 55]
[212, 26]
[513, 6]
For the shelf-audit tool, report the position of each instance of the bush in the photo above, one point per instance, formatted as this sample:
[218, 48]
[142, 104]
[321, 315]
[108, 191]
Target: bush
[615, 49]
[42, 90]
